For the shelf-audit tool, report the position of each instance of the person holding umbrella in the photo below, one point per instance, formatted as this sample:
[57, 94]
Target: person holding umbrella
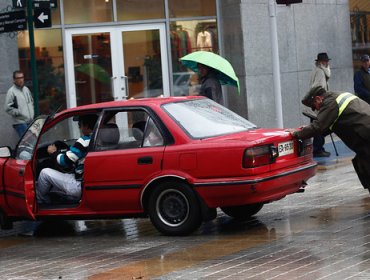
[210, 85]
[213, 71]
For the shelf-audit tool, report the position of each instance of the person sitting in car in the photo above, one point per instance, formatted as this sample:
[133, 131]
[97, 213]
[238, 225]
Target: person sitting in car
[66, 184]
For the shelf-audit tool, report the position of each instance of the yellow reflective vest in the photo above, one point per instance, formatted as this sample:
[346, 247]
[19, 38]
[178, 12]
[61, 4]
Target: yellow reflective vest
[342, 100]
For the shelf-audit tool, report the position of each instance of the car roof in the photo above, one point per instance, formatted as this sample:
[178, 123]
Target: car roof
[156, 101]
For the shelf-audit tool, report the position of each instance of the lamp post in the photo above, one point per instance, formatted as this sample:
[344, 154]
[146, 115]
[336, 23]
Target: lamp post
[275, 64]
[35, 83]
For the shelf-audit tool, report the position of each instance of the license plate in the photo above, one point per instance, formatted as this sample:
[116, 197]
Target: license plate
[286, 148]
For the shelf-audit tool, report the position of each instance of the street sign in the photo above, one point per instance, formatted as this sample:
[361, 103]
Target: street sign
[13, 21]
[42, 18]
[19, 4]
[45, 4]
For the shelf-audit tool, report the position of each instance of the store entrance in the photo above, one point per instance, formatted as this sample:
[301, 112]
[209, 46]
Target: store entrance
[115, 63]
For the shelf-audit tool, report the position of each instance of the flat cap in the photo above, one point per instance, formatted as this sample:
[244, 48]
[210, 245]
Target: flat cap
[308, 98]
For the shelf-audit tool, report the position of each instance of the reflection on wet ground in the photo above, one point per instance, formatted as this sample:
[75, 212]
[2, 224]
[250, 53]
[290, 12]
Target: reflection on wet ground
[321, 233]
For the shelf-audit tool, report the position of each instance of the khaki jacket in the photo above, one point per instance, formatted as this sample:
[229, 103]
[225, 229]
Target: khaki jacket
[19, 104]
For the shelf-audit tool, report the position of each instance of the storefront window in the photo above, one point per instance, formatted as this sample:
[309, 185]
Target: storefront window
[360, 29]
[93, 67]
[187, 37]
[49, 64]
[139, 10]
[191, 8]
[87, 11]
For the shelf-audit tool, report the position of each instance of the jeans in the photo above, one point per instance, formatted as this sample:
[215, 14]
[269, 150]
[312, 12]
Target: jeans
[53, 181]
[20, 128]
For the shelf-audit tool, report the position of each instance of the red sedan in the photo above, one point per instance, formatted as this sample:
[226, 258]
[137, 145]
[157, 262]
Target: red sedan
[174, 159]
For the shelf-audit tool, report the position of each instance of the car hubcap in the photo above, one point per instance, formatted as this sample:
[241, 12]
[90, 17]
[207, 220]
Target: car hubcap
[172, 208]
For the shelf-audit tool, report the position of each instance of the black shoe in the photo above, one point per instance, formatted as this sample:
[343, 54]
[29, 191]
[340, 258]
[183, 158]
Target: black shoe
[321, 154]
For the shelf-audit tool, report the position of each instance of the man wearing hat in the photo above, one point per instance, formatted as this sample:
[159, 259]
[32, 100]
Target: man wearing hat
[347, 116]
[319, 77]
[362, 79]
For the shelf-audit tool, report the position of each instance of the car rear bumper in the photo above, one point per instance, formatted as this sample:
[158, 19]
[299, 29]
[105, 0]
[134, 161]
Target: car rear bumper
[256, 189]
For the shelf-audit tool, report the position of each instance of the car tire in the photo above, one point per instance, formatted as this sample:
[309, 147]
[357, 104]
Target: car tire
[174, 208]
[242, 211]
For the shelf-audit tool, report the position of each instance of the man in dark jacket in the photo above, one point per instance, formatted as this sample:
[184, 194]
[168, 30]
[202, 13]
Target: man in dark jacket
[210, 85]
[346, 115]
[361, 79]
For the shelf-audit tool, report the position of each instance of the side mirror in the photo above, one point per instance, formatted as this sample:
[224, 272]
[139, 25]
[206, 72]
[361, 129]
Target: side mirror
[5, 152]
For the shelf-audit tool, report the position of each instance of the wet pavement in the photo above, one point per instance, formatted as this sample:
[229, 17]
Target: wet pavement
[323, 233]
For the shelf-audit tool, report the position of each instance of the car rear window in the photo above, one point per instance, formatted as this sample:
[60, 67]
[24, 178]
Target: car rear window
[204, 118]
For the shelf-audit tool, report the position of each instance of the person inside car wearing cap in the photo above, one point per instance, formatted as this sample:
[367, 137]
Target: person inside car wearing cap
[319, 77]
[347, 116]
[361, 79]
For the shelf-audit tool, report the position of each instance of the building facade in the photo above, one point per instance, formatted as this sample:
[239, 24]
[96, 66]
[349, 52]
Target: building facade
[100, 50]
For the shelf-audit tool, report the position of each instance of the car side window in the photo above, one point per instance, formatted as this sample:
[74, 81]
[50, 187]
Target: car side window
[66, 130]
[152, 136]
[126, 130]
[26, 146]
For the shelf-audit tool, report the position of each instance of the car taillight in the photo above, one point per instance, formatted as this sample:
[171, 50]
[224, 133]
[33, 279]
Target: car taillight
[305, 147]
[258, 156]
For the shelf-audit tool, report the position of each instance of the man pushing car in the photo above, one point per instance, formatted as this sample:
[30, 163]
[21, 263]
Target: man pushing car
[347, 116]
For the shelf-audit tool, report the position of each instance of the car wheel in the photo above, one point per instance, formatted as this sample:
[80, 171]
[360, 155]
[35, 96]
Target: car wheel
[242, 211]
[174, 209]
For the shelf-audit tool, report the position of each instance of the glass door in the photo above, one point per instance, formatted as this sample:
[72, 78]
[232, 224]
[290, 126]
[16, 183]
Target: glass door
[115, 63]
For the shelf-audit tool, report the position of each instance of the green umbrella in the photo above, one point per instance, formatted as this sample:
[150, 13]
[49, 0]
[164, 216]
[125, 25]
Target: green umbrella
[224, 71]
[95, 71]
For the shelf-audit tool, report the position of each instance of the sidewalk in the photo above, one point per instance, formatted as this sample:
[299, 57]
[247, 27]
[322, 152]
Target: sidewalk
[345, 155]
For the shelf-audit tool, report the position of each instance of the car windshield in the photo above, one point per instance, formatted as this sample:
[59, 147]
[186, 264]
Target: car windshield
[204, 118]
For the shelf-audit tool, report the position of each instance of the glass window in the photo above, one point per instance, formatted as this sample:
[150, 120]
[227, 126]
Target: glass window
[192, 8]
[205, 118]
[127, 130]
[93, 67]
[143, 63]
[360, 29]
[50, 67]
[152, 136]
[139, 9]
[27, 144]
[87, 11]
[187, 37]
[66, 130]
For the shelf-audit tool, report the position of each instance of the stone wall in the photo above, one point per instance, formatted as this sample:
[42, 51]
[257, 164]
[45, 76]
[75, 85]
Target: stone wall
[304, 30]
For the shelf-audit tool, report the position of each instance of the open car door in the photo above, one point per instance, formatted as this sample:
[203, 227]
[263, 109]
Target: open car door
[19, 188]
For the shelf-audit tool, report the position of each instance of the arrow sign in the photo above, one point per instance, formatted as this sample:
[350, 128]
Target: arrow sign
[42, 18]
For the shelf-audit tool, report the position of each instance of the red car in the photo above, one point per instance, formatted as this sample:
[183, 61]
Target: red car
[173, 159]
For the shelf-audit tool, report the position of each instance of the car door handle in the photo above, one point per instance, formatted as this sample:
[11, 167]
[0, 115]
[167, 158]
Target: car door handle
[21, 172]
[145, 160]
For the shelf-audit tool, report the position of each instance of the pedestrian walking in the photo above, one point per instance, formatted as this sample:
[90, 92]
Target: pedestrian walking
[346, 115]
[361, 79]
[210, 85]
[319, 77]
[19, 103]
